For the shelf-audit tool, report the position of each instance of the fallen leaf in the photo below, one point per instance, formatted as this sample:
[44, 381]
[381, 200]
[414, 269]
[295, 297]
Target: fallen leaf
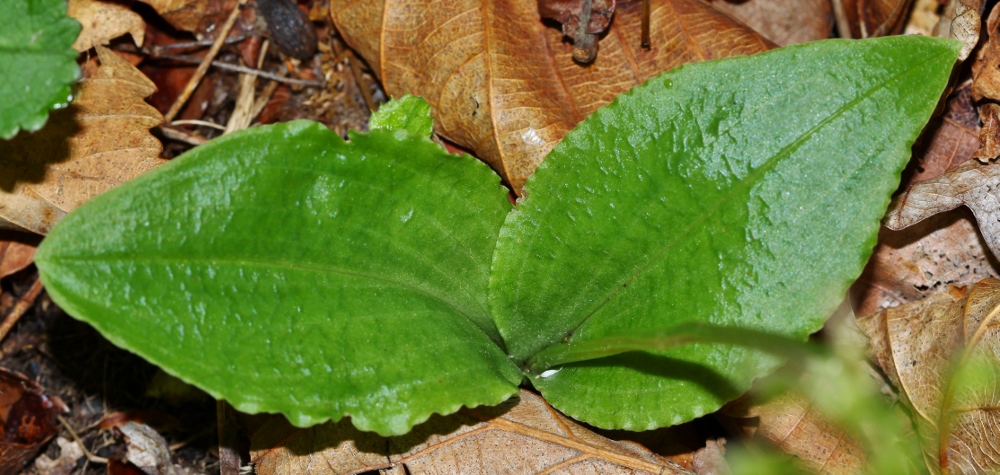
[784, 22]
[790, 423]
[505, 86]
[103, 22]
[989, 135]
[986, 87]
[924, 17]
[522, 435]
[147, 449]
[873, 18]
[971, 184]
[917, 345]
[961, 21]
[28, 420]
[100, 141]
[15, 256]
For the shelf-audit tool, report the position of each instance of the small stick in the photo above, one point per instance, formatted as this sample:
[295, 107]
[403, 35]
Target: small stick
[90, 456]
[203, 123]
[205, 63]
[353, 62]
[22, 305]
[195, 44]
[645, 25]
[242, 69]
[181, 136]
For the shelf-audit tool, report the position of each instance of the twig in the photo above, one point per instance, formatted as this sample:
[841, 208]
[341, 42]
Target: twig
[353, 62]
[195, 44]
[181, 136]
[843, 24]
[645, 25]
[241, 69]
[205, 63]
[203, 123]
[22, 305]
[90, 455]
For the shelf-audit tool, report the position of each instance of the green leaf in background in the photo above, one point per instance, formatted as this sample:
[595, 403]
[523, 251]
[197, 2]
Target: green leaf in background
[37, 62]
[287, 271]
[743, 192]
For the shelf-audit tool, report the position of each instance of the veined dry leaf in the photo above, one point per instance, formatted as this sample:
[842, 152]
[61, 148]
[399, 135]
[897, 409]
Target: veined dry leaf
[986, 87]
[971, 184]
[871, 18]
[916, 345]
[100, 141]
[522, 435]
[102, 22]
[961, 21]
[15, 256]
[793, 425]
[504, 85]
[784, 22]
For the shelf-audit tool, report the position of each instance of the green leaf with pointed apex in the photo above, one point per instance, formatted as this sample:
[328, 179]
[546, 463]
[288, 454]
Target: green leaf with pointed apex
[37, 62]
[743, 192]
[408, 113]
[287, 271]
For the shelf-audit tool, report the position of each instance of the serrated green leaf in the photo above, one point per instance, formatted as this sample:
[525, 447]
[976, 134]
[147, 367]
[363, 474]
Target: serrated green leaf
[287, 271]
[743, 192]
[37, 62]
[408, 113]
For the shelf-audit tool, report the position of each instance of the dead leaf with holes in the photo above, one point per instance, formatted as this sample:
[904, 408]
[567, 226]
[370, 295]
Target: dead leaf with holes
[504, 85]
[102, 22]
[785, 22]
[523, 435]
[917, 346]
[101, 140]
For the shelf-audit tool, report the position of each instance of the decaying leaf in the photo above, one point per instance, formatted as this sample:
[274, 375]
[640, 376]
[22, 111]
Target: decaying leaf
[793, 425]
[100, 141]
[102, 22]
[571, 13]
[961, 21]
[28, 420]
[917, 346]
[69, 453]
[15, 256]
[971, 184]
[504, 85]
[522, 435]
[986, 88]
[784, 22]
[148, 450]
[871, 18]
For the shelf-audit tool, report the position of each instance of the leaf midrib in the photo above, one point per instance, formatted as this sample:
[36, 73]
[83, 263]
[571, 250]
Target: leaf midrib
[285, 266]
[618, 288]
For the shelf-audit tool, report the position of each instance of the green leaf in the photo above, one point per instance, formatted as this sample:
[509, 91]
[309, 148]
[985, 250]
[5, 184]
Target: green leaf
[287, 271]
[742, 192]
[37, 62]
[408, 113]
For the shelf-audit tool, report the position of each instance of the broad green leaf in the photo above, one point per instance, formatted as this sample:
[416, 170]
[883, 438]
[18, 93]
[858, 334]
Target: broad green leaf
[37, 62]
[413, 116]
[742, 192]
[287, 271]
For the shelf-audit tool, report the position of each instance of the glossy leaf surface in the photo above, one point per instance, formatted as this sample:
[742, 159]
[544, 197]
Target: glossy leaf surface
[743, 192]
[287, 271]
[37, 62]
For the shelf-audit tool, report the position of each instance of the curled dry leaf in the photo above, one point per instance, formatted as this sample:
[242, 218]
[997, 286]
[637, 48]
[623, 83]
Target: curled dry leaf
[15, 256]
[28, 420]
[100, 141]
[793, 425]
[102, 22]
[986, 88]
[784, 22]
[961, 21]
[971, 184]
[504, 85]
[522, 435]
[916, 346]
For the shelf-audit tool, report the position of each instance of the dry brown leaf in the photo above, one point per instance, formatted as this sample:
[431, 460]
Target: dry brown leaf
[523, 435]
[971, 184]
[198, 16]
[102, 22]
[924, 17]
[790, 423]
[785, 22]
[871, 18]
[100, 141]
[504, 85]
[15, 256]
[916, 345]
[961, 21]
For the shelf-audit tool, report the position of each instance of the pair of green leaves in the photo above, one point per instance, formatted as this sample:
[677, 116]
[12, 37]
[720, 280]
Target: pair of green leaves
[286, 270]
